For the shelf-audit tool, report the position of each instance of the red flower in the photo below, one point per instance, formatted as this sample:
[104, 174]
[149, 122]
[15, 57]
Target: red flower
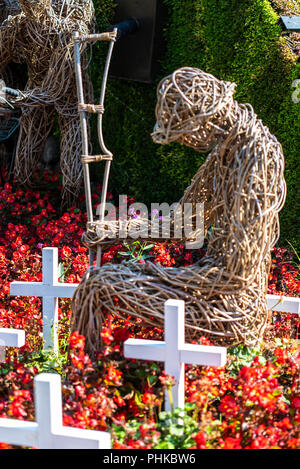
[149, 399]
[296, 403]
[66, 252]
[200, 439]
[167, 380]
[119, 401]
[232, 443]
[106, 335]
[24, 248]
[80, 391]
[71, 278]
[121, 334]
[77, 341]
[228, 406]
[113, 376]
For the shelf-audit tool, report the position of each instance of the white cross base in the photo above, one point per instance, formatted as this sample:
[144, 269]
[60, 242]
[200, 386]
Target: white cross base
[50, 290]
[10, 338]
[174, 352]
[48, 431]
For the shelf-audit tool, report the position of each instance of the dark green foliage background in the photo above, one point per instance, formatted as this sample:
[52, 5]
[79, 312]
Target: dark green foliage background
[235, 40]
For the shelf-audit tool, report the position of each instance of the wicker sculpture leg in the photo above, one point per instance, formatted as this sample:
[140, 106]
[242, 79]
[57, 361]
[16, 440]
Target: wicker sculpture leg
[70, 163]
[242, 187]
[35, 126]
[142, 290]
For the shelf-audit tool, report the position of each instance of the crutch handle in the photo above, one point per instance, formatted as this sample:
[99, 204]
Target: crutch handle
[107, 36]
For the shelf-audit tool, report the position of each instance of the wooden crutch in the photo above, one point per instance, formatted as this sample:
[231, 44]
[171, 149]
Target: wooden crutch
[85, 108]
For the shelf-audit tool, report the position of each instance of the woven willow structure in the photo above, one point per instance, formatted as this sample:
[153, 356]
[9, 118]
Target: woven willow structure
[41, 37]
[242, 187]
[8, 7]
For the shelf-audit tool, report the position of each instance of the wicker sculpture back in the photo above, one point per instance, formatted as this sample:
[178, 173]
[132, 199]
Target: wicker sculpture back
[242, 186]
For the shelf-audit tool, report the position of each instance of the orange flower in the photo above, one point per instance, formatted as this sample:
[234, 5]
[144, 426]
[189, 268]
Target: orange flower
[113, 376]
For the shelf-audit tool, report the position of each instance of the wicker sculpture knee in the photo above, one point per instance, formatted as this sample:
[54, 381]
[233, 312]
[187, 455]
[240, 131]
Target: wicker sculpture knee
[41, 37]
[242, 187]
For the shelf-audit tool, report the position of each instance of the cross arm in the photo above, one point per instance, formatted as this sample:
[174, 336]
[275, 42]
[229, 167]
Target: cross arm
[291, 23]
[60, 290]
[19, 432]
[76, 438]
[12, 337]
[283, 304]
[203, 355]
[141, 349]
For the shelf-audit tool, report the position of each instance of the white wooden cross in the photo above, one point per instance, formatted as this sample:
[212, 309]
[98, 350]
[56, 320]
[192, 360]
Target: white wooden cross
[48, 431]
[10, 338]
[174, 352]
[50, 290]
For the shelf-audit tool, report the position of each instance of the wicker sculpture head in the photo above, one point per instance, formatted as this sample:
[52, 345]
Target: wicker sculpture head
[242, 187]
[81, 10]
[193, 108]
[35, 8]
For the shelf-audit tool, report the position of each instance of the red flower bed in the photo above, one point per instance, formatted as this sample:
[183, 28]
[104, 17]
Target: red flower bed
[254, 402]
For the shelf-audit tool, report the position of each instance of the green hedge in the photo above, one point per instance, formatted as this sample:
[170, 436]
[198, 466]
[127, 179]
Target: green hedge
[236, 41]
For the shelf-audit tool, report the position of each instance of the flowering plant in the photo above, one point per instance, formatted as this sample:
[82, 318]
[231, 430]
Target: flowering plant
[253, 402]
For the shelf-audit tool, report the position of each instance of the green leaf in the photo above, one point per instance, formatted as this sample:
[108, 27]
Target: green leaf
[175, 431]
[148, 247]
[164, 415]
[61, 272]
[165, 445]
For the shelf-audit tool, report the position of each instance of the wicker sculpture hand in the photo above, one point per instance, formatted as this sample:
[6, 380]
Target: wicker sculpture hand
[41, 37]
[243, 188]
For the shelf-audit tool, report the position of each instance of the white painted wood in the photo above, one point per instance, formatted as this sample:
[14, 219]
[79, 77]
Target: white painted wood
[284, 304]
[174, 352]
[174, 342]
[202, 355]
[18, 432]
[49, 290]
[48, 431]
[50, 266]
[140, 349]
[62, 290]
[10, 338]
[50, 323]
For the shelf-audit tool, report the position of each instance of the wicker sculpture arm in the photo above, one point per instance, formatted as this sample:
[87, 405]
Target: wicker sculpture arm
[110, 233]
[56, 83]
[107, 233]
